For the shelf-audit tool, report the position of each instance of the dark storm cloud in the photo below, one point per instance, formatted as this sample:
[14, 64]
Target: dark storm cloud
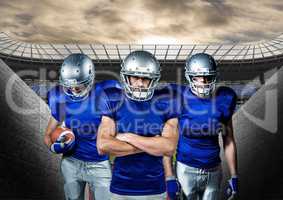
[217, 13]
[23, 34]
[174, 7]
[276, 5]
[245, 36]
[24, 19]
[110, 18]
[209, 12]
[117, 27]
[155, 21]
[185, 18]
[175, 28]
[105, 14]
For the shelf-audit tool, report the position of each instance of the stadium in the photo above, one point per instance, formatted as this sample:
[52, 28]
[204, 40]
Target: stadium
[252, 69]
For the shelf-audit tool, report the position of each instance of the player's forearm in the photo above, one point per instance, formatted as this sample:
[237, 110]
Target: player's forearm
[52, 124]
[47, 136]
[115, 147]
[157, 146]
[167, 164]
[47, 141]
[230, 151]
[123, 149]
[127, 152]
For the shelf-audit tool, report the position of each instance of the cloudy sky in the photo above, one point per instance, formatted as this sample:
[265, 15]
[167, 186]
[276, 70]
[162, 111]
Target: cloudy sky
[141, 21]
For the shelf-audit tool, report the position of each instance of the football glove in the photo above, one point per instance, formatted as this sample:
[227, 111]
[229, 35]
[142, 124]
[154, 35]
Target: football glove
[232, 188]
[172, 187]
[62, 146]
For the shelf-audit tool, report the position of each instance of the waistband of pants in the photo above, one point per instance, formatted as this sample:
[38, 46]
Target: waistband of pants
[82, 161]
[212, 169]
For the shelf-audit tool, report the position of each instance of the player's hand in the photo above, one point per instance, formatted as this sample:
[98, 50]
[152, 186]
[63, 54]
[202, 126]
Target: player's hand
[173, 188]
[47, 141]
[62, 146]
[232, 188]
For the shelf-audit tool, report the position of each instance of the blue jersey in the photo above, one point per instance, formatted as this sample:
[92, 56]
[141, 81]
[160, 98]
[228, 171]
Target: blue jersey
[200, 123]
[142, 173]
[81, 117]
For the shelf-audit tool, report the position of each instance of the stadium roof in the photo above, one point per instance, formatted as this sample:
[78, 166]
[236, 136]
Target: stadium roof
[10, 47]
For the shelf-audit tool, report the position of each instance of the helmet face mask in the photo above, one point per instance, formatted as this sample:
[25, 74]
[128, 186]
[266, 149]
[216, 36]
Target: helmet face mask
[202, 89]
[140, 64]
[201, 73]
[79, 90]
[140, 93]
[77, 76]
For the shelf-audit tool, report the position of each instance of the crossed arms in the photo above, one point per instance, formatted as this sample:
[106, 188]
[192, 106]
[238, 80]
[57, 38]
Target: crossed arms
[122, 144]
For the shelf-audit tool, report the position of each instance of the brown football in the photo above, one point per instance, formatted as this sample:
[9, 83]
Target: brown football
[62, 130]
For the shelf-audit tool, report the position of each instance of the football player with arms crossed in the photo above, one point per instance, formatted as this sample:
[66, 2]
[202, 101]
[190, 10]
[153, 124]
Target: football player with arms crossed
[73, 103]
[206, 112]
[138, 128]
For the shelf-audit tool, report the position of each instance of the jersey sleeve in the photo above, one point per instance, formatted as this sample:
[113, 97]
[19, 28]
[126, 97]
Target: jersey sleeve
[174, 110]
[174, 101]
[229, 105]
[103, 104]
[56, 107]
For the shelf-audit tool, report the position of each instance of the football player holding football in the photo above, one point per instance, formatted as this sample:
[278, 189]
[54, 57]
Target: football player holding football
[73, 103]
[206, 113]
[139, 126]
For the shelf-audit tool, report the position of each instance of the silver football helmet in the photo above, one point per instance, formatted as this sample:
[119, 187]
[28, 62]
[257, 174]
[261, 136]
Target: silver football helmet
[140, 64]
[77, 76]
[201, 65]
